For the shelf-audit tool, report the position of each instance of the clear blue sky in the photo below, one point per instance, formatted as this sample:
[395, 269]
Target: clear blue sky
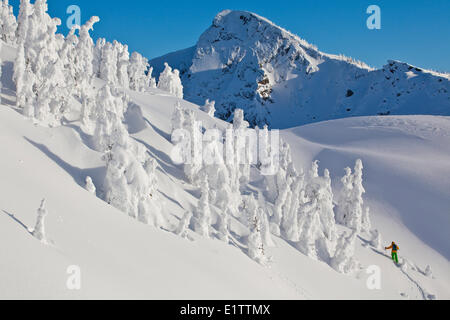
[414, 31]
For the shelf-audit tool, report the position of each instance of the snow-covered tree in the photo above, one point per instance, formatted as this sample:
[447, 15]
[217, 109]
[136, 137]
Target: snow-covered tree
[40, 67]
[202, 216]
[123, 63]
[242, 146]
[194, 161]
[85, 69]
[265, 226]
[326, 206]
[68, 56]
[130, 182]
[223, 225]
[278, 186]
[177, 117]
[144, 187]
[343, 260]
[90, 187]
[39, 229]
[281, 200]
[137, 72]
[275, 183]
[25, 10]
[98, 54]
[129, 185]
[169, 81]
[309, 224]
[108, 115]
[316, 220]
[183, 226]
[209, 108]
[351, 211]
[289, 219]
[366, 224]
[227, 198]
[176, 85]
[8, 23]
[150, 80]
[108, 64]
[256, 249]
[345, 199]
[85, 53]
[376, 240]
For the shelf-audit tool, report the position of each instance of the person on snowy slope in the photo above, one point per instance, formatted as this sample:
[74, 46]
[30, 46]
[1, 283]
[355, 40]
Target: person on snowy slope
[394, 248]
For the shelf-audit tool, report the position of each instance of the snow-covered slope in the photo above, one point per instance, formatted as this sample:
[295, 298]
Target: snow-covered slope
[405, 160]
[245, 61]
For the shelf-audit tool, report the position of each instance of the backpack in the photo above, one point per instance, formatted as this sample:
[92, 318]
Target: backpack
[394, 247]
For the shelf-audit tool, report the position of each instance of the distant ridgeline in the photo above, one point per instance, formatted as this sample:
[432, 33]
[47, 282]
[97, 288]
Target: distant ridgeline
[245, 61]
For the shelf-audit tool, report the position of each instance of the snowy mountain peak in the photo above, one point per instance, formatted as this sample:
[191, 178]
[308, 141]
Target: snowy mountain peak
[245, 61]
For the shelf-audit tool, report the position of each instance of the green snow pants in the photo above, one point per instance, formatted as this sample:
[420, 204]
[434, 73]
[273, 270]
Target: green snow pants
[395, 257]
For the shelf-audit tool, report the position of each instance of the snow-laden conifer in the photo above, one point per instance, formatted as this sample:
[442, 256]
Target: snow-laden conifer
[39, 229]
[202, 216]
[169, 81]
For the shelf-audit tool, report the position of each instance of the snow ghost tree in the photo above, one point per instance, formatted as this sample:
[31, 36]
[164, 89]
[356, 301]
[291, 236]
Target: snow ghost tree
[123, 63]
[279, 206]
[39, 76]
[278, 186]
[343, 260]
[90, 187]
[202, 217]
[256, 250]
[8, 23]
[365, 221]
[289, 219]
[85, 68]
[376, 241]
[183, 226]
[137, 72]
[194, 162]
[305, 208]
[209, 108]
[25, 10]
[265, 227]
[177, 117]
[130, 186]
[108, 115]
[351, 211]
[169, 81]
[151, 81]
[69, 58]
[108, 64]
[223, 225]
[39, 229]
[276, 183]
[130, 181]
[98, 53]
[243, 142]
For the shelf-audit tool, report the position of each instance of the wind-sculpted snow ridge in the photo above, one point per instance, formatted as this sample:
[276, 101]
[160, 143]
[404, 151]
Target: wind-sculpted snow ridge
[245, 61]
